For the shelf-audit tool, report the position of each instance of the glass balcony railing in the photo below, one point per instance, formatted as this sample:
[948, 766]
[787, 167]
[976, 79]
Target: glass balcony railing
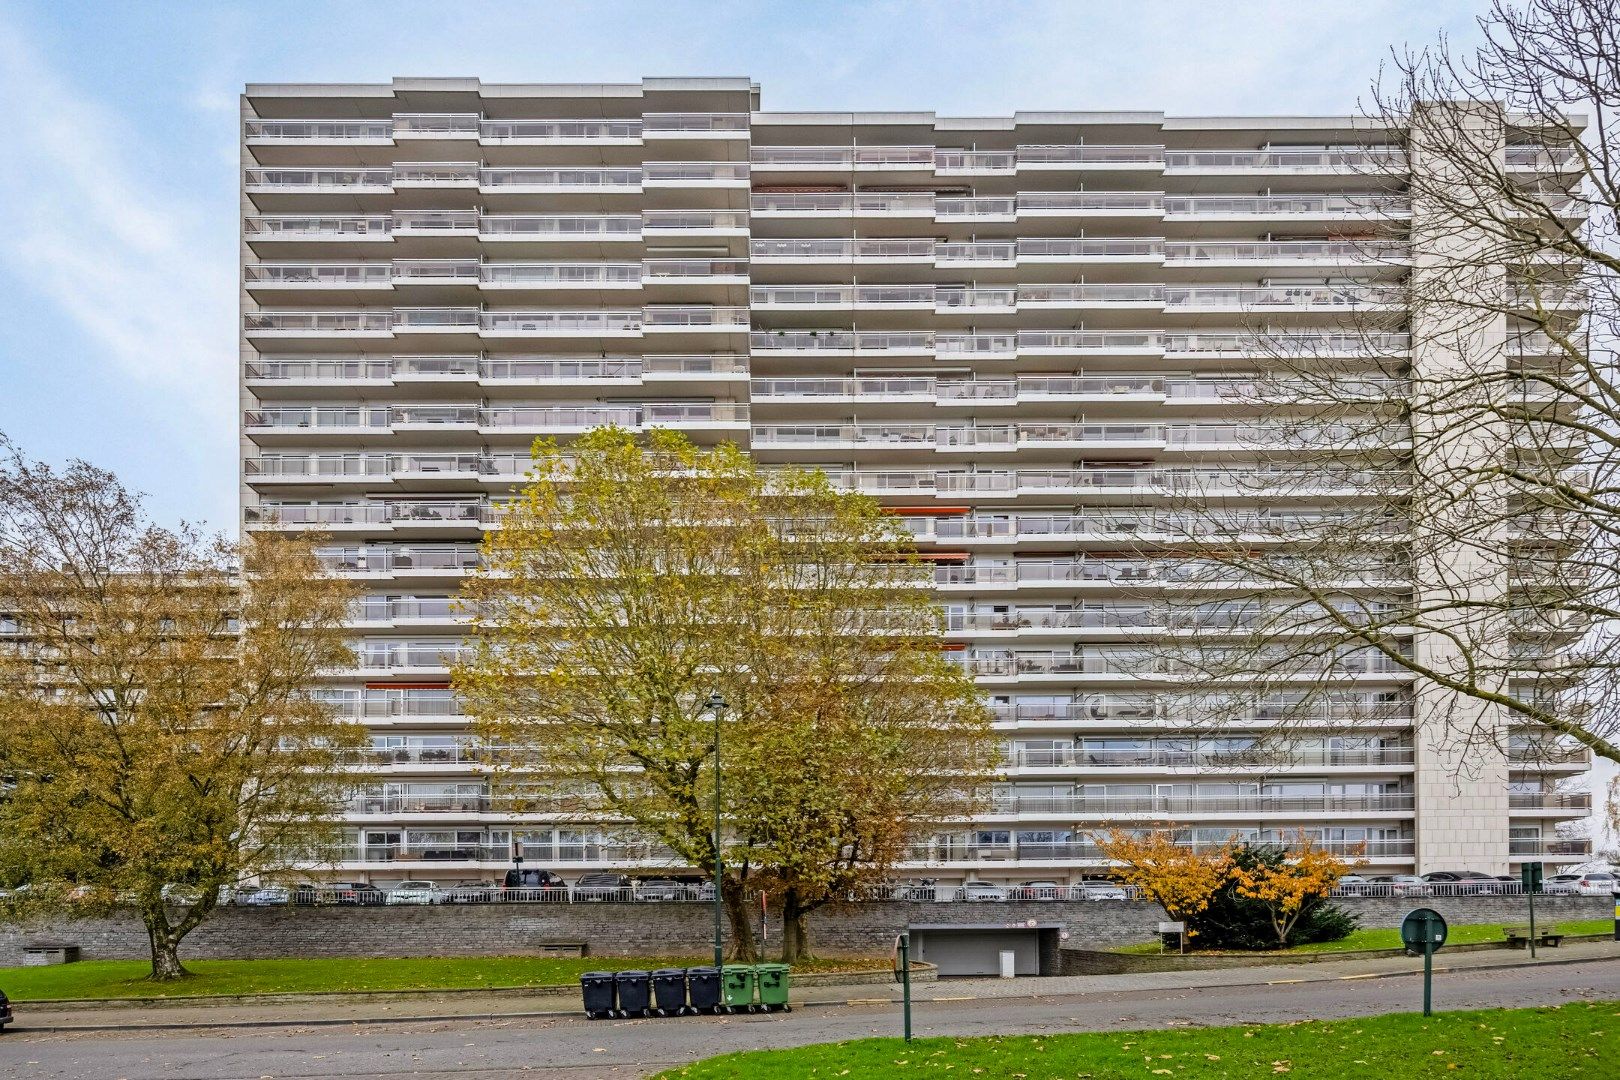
[1286, 205]
[297, 131]
[1283, 159]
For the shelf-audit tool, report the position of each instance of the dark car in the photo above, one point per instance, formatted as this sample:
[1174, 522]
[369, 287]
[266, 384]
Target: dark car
[1462, 883]
[5, 1010]
[601, 887]
[530, 884]
[358, 893]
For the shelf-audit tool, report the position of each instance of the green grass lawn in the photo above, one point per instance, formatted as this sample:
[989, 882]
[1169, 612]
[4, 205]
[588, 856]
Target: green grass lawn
[127, 978]
[1390, 937]
[1570, 1042]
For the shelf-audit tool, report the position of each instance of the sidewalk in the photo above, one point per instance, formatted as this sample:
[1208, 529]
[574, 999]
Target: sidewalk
[564, 1002]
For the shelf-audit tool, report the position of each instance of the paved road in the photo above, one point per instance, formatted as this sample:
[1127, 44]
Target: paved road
[577, 1049]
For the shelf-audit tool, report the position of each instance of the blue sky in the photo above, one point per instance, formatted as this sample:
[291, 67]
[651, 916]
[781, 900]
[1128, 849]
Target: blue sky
[118, 147]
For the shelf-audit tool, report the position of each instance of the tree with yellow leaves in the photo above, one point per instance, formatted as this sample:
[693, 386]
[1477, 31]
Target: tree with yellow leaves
[162, 730]
[632, 578]
[1183, 879]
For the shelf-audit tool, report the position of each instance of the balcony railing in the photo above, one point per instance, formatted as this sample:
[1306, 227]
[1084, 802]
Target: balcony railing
[1286, 160]
[1067, 757]
[1194, 806]
[1382, 251]
[318, 130]
[1286, 205]
[1284, 296]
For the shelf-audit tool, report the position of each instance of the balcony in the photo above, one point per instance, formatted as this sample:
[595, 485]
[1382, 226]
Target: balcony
[1295, 297]
[695, 174]
[328, 515]
[1266, 206]
[1307, 251]
[1258, 757]
[1162, 808]
[436, 125]
[1574, 802]
[1547, 848]
[318, 131]
[696, 124]
[559, 227]
[1347, 159]
[1286, 343]
[1071, 851]
[559, 181]
[318, 180]
[327, 227]
[560, 132]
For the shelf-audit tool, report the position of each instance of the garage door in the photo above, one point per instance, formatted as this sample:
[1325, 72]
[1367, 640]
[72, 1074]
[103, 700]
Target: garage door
[969, 951]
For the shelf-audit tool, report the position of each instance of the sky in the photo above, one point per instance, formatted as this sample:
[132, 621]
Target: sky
[118, 146]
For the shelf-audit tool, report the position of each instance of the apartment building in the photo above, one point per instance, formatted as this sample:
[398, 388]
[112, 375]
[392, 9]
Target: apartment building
[1019, 333]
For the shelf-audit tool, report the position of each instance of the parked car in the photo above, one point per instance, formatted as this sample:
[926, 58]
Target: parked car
[1037, 890]
[663, 889]
[5, 1011]
[1356, 885]
[1462, 883]
[1596, 883]
[1561, 885]
[357, 893]
[1099, 890]
[266, 896]
[601, 887]
[414, 892]
[1401, 885]
[926, 889]
[469, 892]
[533, 884]
[982, 892]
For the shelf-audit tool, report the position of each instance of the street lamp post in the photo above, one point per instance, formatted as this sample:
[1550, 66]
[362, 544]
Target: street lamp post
[716, 706]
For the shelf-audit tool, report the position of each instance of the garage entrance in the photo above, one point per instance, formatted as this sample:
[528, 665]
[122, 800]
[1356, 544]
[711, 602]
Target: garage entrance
[976, 950]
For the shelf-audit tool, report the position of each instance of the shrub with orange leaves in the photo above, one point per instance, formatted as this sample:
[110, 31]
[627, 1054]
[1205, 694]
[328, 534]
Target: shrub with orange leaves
[1288, 887]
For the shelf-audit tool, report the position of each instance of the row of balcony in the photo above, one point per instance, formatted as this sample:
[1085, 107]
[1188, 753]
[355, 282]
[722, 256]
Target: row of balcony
[590, 322]
[1075, 806]
[631, 227]
[490, 227]
[1058, 434]
[386, 419]
[1037, 388]
[528, 370]
[1258, 482]
[474, 126]
[1035, 249]
[1010, 299]
[1035, 851]
[635, 275]
[496, 275]
[1008, 344]
[496, 180]
[1024, 204]
[497, 419]
[1132, 663]
[697, 317]
[1331, 709]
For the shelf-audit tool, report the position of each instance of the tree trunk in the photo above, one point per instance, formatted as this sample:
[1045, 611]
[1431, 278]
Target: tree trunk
[744, 947]
[165, 944]
[795, 934]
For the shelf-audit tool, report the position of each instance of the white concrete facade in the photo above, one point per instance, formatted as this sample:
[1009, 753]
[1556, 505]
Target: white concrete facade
[1011, 330]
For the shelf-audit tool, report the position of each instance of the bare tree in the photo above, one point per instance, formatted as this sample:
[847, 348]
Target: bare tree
[161, 733]
[1439, 477]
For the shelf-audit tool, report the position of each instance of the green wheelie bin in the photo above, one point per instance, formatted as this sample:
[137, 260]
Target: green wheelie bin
[737, 988]
[773, 988]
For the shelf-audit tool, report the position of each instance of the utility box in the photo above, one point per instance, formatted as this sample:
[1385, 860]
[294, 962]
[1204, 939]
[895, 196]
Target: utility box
[48, 955]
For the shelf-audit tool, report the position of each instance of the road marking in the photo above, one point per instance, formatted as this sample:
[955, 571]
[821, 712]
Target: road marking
[964, 997]
[1284, 982]
[869, 1001]
[1368, 975]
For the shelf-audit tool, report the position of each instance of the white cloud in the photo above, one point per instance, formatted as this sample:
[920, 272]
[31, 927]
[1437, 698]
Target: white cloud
[138, 269]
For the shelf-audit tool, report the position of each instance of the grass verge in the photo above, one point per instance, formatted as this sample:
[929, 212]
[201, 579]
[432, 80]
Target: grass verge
[217, 978]
[1390, 937]
[1569, 1042]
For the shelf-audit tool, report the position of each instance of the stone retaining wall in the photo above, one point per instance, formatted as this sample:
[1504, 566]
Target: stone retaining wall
[866, 929]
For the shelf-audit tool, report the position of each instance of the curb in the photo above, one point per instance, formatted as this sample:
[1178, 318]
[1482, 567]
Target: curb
[271, 1024]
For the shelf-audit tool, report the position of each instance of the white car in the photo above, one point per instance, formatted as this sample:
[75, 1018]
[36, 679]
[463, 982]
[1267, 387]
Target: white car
[1597, 883]
[983, 892]
[1100, 890]
[415, 892]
